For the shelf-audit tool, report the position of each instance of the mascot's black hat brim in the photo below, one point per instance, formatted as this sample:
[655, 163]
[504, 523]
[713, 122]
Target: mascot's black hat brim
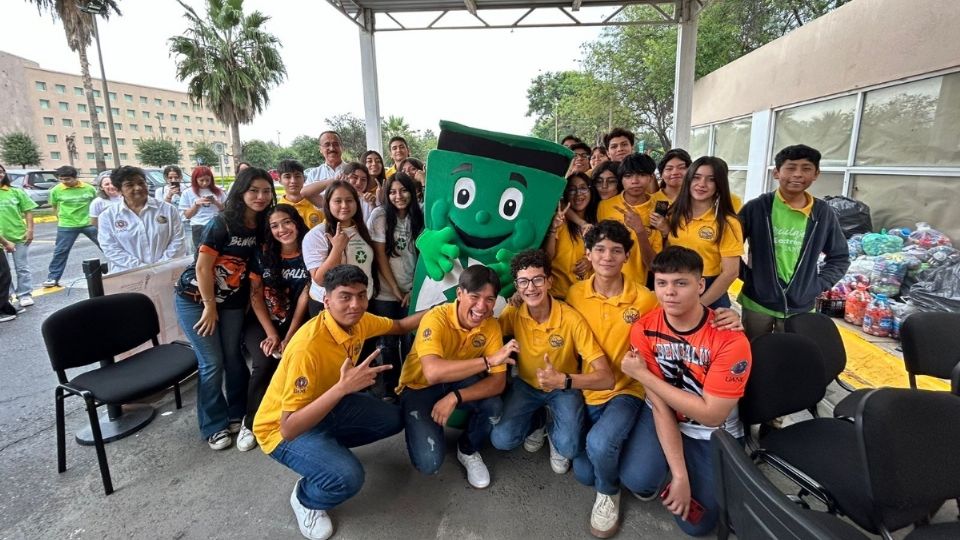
[530, 152]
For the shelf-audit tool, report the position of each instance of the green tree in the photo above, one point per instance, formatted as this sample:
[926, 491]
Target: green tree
[231, 63]
[78, 27]
[203, 153]
[20, 148]
[353, 134]
[306, 150]
[572, 102]
[260, 154]
[158, 152]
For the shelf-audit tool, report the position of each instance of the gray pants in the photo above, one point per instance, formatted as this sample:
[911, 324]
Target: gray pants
[757, 324]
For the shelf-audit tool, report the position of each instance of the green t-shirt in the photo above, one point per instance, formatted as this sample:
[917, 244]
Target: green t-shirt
[13, 203]
[73, 204]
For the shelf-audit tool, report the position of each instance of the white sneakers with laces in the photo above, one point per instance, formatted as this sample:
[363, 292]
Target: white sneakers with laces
[605, 517]
[314, 524]
[246, 440]
[558, 463]
[534, 441]
[220, 440]
[477, 474]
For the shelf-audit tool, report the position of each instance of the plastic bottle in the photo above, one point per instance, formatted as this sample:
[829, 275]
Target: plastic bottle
[878, 318]
[856, 305]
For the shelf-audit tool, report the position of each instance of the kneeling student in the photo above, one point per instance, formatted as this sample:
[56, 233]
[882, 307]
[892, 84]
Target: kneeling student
[458, 361]
[313, 410]
[694, 374]
[551, 335]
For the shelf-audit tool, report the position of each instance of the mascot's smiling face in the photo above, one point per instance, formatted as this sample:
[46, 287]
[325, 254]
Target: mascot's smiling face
[491, 204]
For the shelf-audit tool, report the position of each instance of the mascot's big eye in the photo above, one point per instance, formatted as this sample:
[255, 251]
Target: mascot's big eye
[510, 203]
[464, 191]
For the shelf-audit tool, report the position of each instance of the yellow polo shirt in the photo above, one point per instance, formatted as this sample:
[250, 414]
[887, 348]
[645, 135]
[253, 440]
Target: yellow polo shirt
[440, 333]
[569, 251]
[561, 337]
[310, 214]
[610, 320]
[310, 366]
[634, 268]
[699, 234]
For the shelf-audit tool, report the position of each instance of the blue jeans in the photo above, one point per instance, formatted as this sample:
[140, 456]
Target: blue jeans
[61, 249]
[425, 442]
[331, 473]
[217, 354]
[22, 266]
[644, 469]
[393, 349]
[723, 301]
[520, 404]
[611, 423]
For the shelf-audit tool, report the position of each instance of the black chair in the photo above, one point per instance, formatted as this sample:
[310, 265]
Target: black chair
[824, 332]
[756, 509]
[98, 329]
[908, 441]
[931, 346]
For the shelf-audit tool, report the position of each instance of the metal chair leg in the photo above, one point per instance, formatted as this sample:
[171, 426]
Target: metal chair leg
[98, 442]
[176, 395]
[61, 431]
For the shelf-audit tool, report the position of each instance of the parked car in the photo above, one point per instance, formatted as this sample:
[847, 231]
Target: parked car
[154, 179]
[35, 182]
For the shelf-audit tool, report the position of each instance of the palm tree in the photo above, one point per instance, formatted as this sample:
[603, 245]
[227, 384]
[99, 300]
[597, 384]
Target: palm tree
[79, 29]
[231, 62]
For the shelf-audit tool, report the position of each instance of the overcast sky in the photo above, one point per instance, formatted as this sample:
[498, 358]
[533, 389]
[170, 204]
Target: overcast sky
[475, 77]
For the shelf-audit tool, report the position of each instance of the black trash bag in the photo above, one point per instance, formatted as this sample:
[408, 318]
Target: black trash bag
[854, 215]
[938, 289]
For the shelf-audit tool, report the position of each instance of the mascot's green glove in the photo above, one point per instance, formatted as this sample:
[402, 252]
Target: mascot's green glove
[502, 268]
[437, 252]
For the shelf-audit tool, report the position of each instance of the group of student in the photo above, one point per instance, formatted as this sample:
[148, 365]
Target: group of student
[618, 349]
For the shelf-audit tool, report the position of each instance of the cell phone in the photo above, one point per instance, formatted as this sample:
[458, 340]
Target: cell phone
[695, 512]
[661, 208]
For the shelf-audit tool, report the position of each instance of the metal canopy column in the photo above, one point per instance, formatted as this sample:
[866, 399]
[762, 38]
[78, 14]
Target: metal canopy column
[685, 73]
[371, 91]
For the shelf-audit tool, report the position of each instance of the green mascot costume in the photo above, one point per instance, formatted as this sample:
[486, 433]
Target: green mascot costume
[488, 196]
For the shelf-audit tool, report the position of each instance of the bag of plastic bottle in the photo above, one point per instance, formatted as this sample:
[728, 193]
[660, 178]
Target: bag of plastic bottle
[888, 272]
[856, 305]
[855, 246]
[853, 215]
[928, 237]
[938, 289]
[880, 243]
[878, 317]
[901, 310]
[942, 256]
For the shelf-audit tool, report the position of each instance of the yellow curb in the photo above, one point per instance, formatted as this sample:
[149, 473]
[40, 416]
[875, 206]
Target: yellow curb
[45, 219]
[46, 290]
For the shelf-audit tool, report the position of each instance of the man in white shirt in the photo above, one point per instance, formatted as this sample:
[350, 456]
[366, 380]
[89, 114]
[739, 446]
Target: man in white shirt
[139, 230]
[318, 178]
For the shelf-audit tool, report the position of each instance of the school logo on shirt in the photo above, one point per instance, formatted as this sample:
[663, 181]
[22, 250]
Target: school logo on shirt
[630, 315]
[360, 256]
[402, 243]
[479, 340]
[314, 220]
[556, 341]
[355, 349]
[707, 232]
[120, 224]
[737, 372]
[161, 219]
[300, 385]
[427, 333]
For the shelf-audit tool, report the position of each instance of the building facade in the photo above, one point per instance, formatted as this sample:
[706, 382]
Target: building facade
[52, 106]
[874, 85]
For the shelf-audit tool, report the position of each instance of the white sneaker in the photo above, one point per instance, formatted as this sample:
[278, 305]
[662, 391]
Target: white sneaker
[234, 426]
[477, 474]
[534, 441]
[51, 283]
[26, 301]
[314, 524]
[246, 440]
[558, 463]
[220, 440]
[605, 517]
[6, 318]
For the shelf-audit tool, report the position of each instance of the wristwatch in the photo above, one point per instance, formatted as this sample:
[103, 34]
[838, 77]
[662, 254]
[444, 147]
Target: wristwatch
[569, 382]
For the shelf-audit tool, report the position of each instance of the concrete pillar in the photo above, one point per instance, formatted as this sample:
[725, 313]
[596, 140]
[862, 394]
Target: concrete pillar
[371, 92]
[760, 135]
[685, 72]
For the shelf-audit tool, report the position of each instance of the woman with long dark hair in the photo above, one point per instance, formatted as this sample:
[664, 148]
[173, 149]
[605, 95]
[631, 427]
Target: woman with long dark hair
[576, 213]
[374, 164]
[359, 178]
[201, 202]
[394, 228]
[211, 298]
[279, 306]
[342, 239]
[606, 180]
[702, 218]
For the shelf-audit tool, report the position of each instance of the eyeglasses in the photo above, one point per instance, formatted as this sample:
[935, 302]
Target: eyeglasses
[580, 155]
[581, 190]
[523, 283]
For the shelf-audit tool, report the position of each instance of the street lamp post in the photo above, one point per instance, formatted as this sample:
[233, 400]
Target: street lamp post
[94, 8]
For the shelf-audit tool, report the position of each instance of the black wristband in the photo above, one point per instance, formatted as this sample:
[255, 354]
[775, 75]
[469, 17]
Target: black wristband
[456, 394]
[568, 384]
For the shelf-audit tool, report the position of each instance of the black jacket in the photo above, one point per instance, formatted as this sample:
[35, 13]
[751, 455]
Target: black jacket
[759, 273]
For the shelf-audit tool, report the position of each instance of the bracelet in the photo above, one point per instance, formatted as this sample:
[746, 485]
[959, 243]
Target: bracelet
[456, 394]
[568, 382]
[486, 363]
